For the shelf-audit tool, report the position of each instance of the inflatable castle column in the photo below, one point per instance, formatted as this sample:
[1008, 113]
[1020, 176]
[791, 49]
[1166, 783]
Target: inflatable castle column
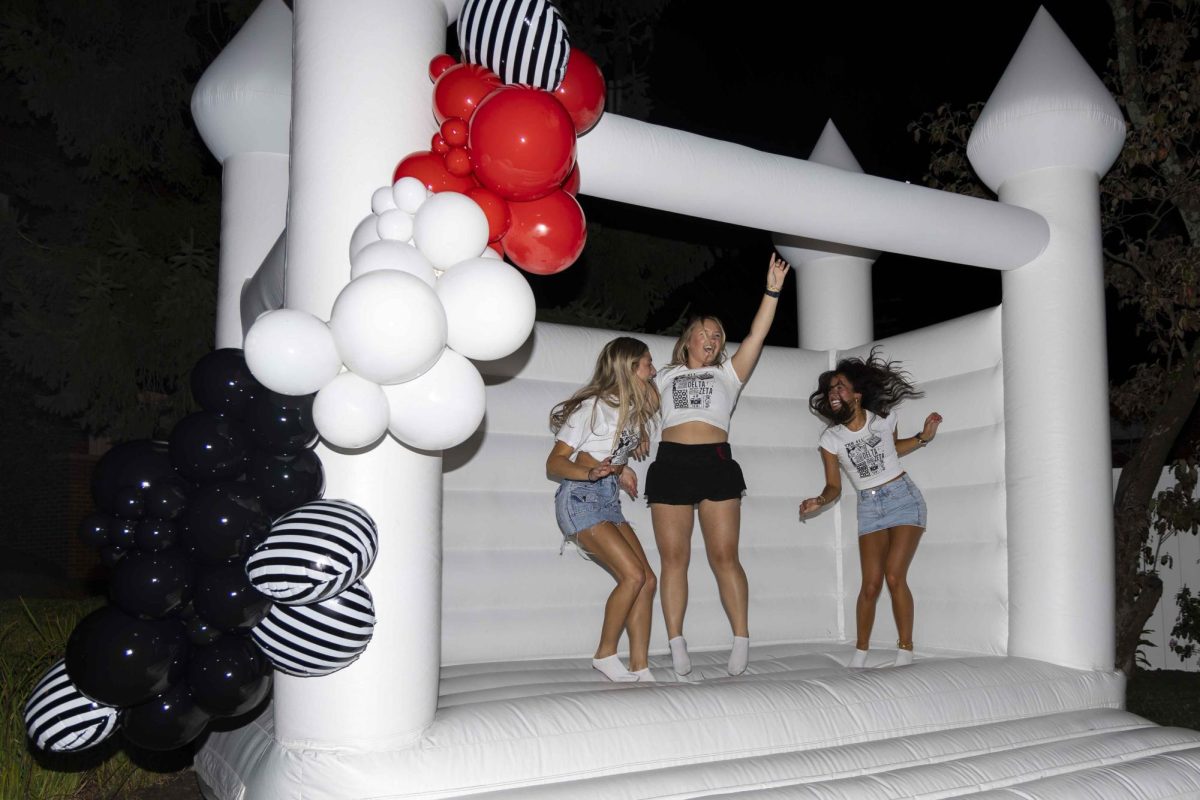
[361, 102]
[833, 282]
[1047, 134]
[242, 106]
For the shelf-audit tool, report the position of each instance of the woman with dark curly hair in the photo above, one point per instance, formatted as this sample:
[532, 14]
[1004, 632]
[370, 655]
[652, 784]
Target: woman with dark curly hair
[857, 399]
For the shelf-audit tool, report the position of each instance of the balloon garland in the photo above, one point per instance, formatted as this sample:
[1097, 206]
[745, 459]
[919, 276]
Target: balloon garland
[197, 564]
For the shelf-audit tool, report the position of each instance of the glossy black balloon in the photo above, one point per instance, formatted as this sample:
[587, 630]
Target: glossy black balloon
[154, 535]
[169, 721]
[225, 598]
[225, 521]
[119, 660]
[229, 677]
[166, 499]
[282, 424]
[284, 482]
[110, 555]
[152, 584]
[139, 464]
[93, 529]
[129, 502]
[222, 382]
[207, 447]
[200, 631]
[122, 533]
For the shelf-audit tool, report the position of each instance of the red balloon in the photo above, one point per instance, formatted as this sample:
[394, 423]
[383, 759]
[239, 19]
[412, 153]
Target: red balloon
[571, 184]
[582, 91]
[458, 162]
[454, 131]
[496, 248]
[439, 145]
[495, 209]
[460, 90]
[522, 143]
[430, 169]
[440, 64]
[546, 235]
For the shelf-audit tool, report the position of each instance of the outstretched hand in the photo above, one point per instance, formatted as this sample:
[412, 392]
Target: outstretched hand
[810, 505]
[931, 426]
[776, 272]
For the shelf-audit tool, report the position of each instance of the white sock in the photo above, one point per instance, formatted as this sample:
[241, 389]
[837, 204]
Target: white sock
[859, 659]
[612, 668]
[679, 656]
[644, 676]
[739, 655]
[903, 657]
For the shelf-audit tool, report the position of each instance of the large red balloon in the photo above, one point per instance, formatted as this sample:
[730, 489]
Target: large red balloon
[582, 91]
[522, 143]
[460, 90]
[571, 184]
[430, 169]
[546, 235]
[495, 208]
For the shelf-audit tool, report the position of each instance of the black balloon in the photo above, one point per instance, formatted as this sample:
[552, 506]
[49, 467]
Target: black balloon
[166, 499]
[225, 598]
[138, 464]
[154, 535]
[222, 382]
[170, 720]
[129, 502]
[284, 482]
[208, 447]
[120, 660]
[152, 584]
[122, 533]
[225, 521]
[111, 555]
[280, 423]
[201, 631]
[93, 530]
[229, 677]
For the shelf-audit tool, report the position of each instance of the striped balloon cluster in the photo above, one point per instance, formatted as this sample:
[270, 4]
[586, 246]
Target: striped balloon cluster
[523, 43]
[60, 718]
[312, 564]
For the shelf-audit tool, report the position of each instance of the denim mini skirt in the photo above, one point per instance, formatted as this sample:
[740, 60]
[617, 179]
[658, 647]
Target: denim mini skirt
[578, 505]
[898, 502]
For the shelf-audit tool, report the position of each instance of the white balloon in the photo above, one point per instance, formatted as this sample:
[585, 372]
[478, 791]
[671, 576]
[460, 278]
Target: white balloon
[350, 412]
[449, 228]
[382, 200]
[490, 253]
[409, 193]
[395, 224]
[489, 308]
[441, 408]
[291, 352]
[387, 254]
[389, 326]
[366, 232]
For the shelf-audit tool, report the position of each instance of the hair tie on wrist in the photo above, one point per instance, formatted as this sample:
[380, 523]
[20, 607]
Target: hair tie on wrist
[769, 292]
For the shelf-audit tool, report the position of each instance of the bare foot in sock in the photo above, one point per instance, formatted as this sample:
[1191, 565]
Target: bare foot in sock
[612, 668]
[739, 655]
[903, 658]
[645, 676]
[859, 659]
[680, 659]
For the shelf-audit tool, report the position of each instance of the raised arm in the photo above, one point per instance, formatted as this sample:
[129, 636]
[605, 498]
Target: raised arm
[559, 465]
[746, 357]
[906, 446]
[833, 485]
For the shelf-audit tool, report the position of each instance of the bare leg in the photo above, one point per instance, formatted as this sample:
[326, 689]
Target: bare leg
[673, 535]
[605, 543]
[640, 618]
[904, 541]
[872, 556]
[719, 523]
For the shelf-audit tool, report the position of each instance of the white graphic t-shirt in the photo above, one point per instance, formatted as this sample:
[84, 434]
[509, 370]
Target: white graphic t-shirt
[708, 394]
[868, 455]
[590, 430]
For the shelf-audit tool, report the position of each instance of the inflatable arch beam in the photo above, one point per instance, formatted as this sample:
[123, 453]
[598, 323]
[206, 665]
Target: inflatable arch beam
[359, 97]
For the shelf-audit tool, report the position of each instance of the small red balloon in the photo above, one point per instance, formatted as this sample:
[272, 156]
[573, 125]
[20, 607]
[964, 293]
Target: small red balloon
[440, 64]
[495, 208]
[522, 143]
[571, 184]
[454, 131]
[546, 235]
[439, 145]
[430, 169]
[496, 248]
[458, 162]
[460, 90]
[582, 91]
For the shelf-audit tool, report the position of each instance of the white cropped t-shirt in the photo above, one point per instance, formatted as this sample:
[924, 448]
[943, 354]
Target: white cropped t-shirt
[591, 430]
[708, 394]
[868, 455]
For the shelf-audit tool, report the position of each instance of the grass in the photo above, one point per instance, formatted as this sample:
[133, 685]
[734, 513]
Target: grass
[1168, 697]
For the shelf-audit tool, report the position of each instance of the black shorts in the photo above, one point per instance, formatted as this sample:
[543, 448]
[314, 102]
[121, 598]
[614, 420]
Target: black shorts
[685, 474]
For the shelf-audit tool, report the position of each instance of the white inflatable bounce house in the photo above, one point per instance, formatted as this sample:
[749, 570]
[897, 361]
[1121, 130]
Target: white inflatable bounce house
[477, 681]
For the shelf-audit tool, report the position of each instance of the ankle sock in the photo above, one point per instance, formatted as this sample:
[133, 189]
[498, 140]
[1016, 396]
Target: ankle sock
[645, 676]
[612, 668]
[679, 655]
[903, 657]
[859, 659]
[739, 655]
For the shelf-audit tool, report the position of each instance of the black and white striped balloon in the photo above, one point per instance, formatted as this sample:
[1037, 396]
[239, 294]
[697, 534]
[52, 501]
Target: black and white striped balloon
[320, 638]
[314, 552]
[522, 41]
[60, 719]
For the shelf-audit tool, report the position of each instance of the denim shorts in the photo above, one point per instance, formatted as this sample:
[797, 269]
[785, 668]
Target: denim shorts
[579, 505]
[898, 502]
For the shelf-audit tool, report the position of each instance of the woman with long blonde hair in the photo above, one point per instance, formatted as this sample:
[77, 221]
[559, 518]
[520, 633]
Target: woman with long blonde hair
[596, 431]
